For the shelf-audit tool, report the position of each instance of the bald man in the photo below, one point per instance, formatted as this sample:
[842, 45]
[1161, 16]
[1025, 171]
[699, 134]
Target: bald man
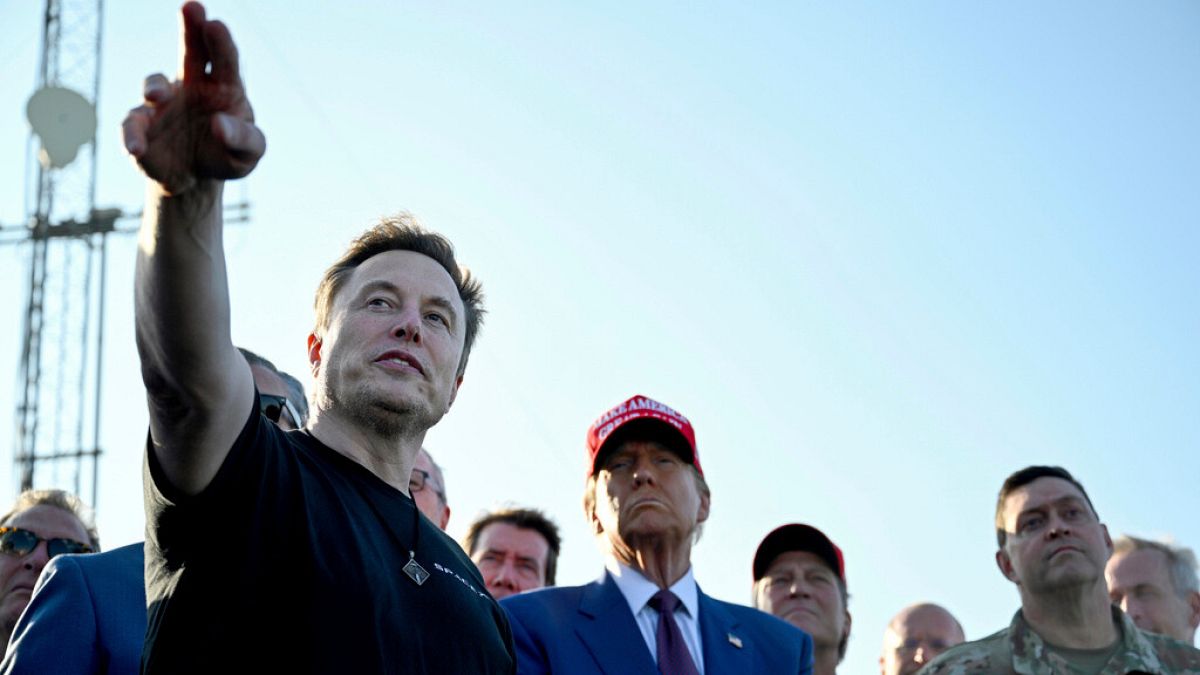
[915, 636]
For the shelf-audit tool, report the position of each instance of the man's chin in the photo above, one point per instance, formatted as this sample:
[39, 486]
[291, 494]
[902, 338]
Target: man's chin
[649, 528]
[10, 611]
[1153, 628]
[14, 601]
[1068, 580]
[388, 414]
[802, 619]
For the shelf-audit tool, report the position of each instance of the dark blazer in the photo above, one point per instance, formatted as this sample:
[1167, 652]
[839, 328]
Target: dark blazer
[589, 629]
[87, 615]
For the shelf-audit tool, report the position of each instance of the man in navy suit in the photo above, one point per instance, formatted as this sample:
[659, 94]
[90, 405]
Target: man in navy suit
[87, 615]
[646, 499]
[40, 525]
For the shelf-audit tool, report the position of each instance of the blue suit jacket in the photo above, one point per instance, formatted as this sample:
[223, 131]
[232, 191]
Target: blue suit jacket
[87, 615]
[589, 629]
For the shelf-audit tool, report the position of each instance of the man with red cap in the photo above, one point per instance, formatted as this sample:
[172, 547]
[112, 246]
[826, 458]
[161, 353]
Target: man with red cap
[800, 577]
[645, 499]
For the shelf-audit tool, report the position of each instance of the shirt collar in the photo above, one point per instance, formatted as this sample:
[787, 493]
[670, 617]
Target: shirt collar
[1029, 651]
[638, 590]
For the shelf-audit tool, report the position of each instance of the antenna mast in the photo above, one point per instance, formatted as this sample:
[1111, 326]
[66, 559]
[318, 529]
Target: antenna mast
[58, 408]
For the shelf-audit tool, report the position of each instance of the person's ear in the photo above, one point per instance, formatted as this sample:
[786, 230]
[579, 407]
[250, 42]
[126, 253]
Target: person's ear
[1193, 601]
[454, 391]
[1006, 566]
[314, 353]
[589, 507]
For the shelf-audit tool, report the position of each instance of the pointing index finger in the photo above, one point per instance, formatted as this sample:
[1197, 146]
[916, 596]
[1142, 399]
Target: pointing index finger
[193, 55]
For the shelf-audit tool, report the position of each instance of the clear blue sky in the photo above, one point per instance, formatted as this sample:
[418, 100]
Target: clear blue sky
[881, 254]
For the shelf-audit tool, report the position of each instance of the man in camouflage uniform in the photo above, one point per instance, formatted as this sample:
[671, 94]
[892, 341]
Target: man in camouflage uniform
[1053, 547]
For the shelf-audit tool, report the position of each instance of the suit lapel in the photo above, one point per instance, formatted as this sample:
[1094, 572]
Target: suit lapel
[727, 649]
[607, 628]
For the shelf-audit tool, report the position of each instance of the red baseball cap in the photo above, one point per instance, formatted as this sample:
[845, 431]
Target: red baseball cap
[798, 537]
[642, 418]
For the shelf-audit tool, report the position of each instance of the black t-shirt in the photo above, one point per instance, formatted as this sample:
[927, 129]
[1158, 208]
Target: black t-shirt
[291, 561]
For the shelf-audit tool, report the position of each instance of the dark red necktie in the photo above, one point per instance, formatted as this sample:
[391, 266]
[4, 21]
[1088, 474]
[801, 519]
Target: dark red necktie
[673, 655]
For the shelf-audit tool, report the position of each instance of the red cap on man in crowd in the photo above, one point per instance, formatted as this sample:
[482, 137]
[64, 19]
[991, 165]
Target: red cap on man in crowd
[641, 418]
[798, 537]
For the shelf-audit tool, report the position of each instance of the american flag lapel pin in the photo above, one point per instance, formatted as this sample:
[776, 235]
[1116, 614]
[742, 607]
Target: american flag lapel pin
[735, 640]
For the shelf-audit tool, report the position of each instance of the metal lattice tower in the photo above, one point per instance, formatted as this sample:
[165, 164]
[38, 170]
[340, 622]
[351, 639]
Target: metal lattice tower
[59, 399]
[58, 407]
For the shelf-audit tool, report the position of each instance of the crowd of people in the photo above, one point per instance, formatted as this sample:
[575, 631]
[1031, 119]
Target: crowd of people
[294, 533]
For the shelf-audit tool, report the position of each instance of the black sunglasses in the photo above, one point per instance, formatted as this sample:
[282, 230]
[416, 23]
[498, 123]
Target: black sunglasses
[272, 407]
[19, 542]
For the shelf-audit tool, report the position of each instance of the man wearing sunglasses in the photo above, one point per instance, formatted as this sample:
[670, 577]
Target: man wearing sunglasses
[88, 613]
[324, 563]
[280, 397]
[41, 525]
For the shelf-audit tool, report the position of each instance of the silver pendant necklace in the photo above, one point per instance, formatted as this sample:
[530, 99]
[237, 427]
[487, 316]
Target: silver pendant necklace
[412, 568]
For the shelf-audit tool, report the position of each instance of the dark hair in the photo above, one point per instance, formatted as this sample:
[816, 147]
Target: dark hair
[402, 232]
[295, 390]
[257, 360]
[1025, 477]
[296, 395]
[526, 519]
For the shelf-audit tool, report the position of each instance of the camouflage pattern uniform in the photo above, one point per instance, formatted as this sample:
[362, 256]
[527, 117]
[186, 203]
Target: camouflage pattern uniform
[1017, 649]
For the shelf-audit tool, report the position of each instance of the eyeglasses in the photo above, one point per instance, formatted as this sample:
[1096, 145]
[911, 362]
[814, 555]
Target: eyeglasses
[18, 542]
[272, 408]
[419, 479]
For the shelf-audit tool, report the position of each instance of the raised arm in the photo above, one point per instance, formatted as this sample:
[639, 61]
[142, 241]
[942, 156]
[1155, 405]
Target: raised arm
[189, 136]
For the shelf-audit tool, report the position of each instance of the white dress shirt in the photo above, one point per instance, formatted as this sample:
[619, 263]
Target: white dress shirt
[638, 590]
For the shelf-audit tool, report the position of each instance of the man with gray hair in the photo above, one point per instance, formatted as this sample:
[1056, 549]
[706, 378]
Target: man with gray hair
[427, 486]
[39, 526]
[1155, 583]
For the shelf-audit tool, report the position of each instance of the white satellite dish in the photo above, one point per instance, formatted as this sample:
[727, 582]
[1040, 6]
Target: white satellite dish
[64, 121]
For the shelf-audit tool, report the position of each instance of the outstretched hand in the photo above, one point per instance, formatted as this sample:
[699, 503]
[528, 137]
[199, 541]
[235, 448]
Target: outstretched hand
[200, 126]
